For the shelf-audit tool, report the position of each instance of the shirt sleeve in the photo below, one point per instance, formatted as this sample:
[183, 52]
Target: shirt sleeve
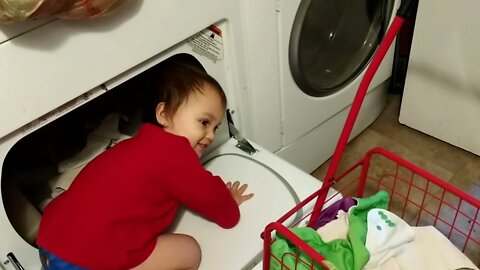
[199, 190]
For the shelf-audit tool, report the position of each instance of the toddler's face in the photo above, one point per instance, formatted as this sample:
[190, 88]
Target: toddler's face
[196, 119]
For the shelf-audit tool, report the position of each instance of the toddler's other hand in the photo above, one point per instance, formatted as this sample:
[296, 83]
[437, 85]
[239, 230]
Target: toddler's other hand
[237, 192]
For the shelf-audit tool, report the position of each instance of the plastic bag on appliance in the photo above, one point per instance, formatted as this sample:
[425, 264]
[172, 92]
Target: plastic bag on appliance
[82, 9]
[21, 10]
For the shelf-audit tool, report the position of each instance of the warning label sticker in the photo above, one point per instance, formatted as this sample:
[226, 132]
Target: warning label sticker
[208, 43]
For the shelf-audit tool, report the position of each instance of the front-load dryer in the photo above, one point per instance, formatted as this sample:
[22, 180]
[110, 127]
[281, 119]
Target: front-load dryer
[38, 161]
[323, 49]
[45, 64]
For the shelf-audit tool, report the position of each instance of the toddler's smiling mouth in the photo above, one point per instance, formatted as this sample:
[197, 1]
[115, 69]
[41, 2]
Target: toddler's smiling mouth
[201, 147]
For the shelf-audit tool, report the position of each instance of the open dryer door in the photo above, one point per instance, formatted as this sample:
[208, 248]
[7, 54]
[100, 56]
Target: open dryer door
[278, 187]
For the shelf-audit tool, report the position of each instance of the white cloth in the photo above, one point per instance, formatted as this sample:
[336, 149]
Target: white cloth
[105, 136]
[335, 229]
[430, 250]
[386, 235]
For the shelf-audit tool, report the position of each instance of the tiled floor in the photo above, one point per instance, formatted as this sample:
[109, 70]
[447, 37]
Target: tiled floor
[457, 166]
[407, 190]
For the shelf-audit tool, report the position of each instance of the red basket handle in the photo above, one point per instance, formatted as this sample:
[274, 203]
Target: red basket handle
[392, 31]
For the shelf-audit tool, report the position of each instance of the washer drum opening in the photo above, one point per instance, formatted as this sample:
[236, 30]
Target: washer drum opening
[332, 41]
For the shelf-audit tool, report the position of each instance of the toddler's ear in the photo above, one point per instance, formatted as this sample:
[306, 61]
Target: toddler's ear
[161, 115]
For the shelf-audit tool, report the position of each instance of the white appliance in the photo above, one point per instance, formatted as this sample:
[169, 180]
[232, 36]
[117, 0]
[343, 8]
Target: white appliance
[83, 63]
[442, 92]
[307, 58]
[12, 30]
[44, 67]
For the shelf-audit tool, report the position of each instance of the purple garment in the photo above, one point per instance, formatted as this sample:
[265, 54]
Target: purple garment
[330, 213]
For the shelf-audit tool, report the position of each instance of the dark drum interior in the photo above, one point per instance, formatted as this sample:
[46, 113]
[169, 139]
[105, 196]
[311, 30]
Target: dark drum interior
[332, 41]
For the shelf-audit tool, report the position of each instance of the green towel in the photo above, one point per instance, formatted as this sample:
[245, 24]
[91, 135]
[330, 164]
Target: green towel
[340, 254]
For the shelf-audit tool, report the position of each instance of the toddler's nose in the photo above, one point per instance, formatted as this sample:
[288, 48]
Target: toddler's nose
[210, 135]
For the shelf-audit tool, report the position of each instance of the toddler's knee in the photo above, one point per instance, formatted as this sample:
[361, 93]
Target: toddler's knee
[195, 250]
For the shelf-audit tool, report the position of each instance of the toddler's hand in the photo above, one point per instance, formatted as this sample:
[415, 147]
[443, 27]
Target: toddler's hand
[237, 192]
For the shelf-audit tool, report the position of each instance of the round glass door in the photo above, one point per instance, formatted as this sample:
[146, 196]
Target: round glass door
[332, 41]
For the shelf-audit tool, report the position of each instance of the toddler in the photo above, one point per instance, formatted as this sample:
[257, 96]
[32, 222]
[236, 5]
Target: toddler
[114, 214]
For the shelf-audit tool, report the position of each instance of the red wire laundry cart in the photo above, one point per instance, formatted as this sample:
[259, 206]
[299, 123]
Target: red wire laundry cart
[415, 195]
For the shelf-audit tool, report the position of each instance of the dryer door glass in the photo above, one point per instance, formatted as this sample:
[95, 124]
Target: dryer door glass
[332, 41]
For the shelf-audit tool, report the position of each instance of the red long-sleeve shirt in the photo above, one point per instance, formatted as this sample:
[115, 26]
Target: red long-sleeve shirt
[122, 200]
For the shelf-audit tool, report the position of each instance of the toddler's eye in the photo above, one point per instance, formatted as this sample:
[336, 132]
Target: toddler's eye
[204, 122]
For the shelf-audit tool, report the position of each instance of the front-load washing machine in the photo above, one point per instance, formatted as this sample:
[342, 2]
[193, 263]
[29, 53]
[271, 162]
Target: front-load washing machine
[323, 48]
[33, 159]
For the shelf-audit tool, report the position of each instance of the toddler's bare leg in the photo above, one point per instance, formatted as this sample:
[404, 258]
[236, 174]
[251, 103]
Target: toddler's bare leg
[173, 252]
